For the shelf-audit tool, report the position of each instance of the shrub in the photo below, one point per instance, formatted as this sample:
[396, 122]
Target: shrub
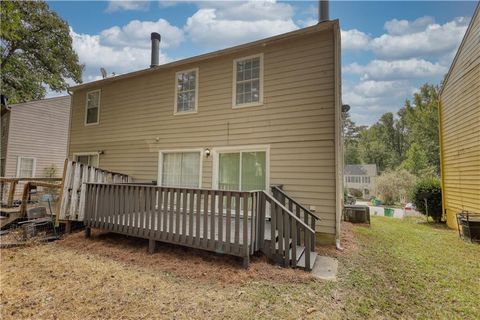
[394, 186]
[430, 189]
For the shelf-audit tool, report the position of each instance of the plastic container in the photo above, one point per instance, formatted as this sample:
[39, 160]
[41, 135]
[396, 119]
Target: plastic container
[388, 212]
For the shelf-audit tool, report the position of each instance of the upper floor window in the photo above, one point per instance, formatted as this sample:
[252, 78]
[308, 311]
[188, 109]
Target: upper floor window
[186, 87]
[92, 111]
[25, 167]
[248, 81]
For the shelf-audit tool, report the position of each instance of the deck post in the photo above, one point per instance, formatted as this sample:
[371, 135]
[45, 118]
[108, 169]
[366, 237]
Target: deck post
[88, 232]
[246, 261]
[68, 227]
[151, 246]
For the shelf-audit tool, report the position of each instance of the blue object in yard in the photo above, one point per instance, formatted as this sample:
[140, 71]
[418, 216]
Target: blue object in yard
[47, 197]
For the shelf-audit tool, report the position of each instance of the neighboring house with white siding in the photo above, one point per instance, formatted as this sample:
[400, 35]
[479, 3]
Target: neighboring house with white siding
[243, 118]
[361, 177]
[34, 137]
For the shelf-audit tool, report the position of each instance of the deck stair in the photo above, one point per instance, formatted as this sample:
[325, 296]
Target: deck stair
[292, 228]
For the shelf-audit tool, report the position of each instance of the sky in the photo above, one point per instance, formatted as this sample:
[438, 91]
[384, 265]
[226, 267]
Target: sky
[389, 49]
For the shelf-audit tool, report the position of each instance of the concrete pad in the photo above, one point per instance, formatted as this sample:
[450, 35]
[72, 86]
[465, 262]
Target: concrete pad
[325, 268]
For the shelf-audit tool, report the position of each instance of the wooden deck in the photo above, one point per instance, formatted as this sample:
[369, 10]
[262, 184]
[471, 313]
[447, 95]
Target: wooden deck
[236, 223]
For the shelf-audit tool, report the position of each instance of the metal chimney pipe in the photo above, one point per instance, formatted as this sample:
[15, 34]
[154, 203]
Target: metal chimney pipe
[155, 37]
[323, 14]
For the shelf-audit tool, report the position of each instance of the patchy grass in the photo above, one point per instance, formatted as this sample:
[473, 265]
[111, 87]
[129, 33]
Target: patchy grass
[393, 269]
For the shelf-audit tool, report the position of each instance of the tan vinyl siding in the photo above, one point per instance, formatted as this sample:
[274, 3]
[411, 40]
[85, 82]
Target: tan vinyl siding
[297, 119]
[460, 128]
[39, 129]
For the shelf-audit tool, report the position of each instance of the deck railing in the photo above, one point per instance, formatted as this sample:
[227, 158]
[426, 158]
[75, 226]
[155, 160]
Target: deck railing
[287, 231]
[298, 209]
[214, 220]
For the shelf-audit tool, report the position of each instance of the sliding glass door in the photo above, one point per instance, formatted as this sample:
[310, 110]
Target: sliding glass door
[242, 170]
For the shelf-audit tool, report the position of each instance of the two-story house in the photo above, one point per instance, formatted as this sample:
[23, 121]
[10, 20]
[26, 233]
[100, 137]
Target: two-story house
[243, 118]
[34, 137]
[361, 177]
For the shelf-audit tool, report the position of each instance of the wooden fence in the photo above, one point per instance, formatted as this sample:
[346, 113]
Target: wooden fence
[75, 176]
[14, 186]
[213, 220]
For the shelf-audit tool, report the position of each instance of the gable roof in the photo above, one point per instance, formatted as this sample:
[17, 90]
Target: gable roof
[360, 169]
[321, 26]
[465, 36]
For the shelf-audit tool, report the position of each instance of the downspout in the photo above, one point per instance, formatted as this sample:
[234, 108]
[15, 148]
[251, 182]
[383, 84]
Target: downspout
[442, 166]
[338, 137]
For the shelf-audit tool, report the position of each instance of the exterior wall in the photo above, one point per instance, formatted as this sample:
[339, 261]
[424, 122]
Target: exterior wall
[296, 121]
[460, 128]
[38, 129]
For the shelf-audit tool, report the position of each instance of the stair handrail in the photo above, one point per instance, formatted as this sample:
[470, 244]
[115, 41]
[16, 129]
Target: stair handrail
[296, 202]
[303, 224]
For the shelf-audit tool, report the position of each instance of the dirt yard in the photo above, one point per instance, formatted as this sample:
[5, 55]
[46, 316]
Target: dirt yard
[113, 277]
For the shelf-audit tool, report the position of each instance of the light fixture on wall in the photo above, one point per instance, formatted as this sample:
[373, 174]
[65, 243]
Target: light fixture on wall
[100, 152]
[207, 152]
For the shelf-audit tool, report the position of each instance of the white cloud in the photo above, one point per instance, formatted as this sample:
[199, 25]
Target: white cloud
[354, 40]
[397, 69]
[94, 54]
[370, 99]
[399, 27]
[120, 5]
[434, 39]
[137, 33]
[251, 10]
[206, 28]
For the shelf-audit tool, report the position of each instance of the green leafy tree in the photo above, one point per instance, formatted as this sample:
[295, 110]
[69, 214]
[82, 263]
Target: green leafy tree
[36, 50]
[416, 161]
[372, 148]
[421, 119]
[351, 133]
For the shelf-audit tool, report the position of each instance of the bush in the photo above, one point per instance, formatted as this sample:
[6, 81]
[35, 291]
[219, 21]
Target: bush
[430, 189]
[393, 186]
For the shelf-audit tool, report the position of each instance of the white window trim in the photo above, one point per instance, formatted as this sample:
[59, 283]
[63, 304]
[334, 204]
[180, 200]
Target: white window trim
[86, 107]
[234, 149]
[94, 153]
[160, 164]
[234, 83]
[178, 113]
[34, 169]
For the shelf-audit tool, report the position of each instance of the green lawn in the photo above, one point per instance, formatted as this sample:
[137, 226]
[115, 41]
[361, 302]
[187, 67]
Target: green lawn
[392, 269]
[410, 269]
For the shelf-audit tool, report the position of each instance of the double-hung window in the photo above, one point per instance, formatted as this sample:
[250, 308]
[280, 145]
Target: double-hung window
[186, 91]
[92, 112]
[248, 81]
[181, 169]
[25, 167]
